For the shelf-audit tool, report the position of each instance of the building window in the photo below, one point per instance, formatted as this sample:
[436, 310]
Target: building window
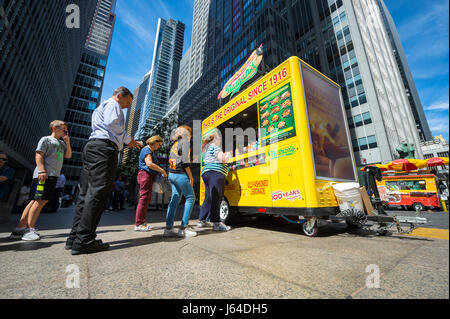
[358, 121]
[363, 143]
[372, 141]
[366, 118]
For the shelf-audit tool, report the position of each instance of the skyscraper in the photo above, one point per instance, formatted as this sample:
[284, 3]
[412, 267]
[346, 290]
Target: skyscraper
[235, 29]
[407, 78]
[88, 86]
[192, 63]
[183, 83]
[198, 42]
[163, 81]
[39, 57]
[134, 114]
[346, 40]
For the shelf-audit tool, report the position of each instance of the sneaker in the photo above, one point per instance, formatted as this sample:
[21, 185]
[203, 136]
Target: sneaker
[203, 223]
[221, 227]
[18, 233]
[186, 233]
[143, 228]
[31, 235]
[170, 233]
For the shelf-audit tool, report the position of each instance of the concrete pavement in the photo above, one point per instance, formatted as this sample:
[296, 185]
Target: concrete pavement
[259, 258]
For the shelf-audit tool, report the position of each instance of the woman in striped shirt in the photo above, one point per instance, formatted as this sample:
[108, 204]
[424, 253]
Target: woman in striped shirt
[214, 174]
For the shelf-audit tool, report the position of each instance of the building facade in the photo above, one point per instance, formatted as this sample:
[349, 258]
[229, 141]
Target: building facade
[183, 83]
[163, 81]
[198, 42]
[407, 78]
[87, 87]
[39, 58]
[436, 148]
[134, 114]
[192, 63]
[346, 40]
[235, 29]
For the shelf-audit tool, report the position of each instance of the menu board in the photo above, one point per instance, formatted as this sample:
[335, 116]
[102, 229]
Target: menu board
[330, 141]
[276, 116]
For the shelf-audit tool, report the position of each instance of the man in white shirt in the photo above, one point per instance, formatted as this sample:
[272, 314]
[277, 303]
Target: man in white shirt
[100, 157]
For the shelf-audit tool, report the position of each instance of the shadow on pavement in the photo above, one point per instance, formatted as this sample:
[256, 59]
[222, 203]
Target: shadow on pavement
[20, 245]
[271, 223]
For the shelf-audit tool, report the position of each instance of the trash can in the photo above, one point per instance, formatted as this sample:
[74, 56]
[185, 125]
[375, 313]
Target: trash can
[348, 196]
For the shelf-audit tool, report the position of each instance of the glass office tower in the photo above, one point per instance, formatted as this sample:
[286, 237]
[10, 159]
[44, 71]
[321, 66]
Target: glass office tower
[39, 58]
[163, 81]
[87, 87]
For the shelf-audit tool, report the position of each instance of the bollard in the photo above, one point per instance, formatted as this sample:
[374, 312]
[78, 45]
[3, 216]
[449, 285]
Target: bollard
[444, 206]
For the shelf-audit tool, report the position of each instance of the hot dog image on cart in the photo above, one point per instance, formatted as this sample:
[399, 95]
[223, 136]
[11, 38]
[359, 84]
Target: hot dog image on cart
[299, 150]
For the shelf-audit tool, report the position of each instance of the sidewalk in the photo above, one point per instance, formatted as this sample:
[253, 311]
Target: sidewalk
[257, 259]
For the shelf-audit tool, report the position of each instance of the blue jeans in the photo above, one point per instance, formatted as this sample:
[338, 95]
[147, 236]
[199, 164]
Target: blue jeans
[180, 186]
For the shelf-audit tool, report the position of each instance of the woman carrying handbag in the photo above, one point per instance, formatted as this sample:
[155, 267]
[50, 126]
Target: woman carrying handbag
[148, 170]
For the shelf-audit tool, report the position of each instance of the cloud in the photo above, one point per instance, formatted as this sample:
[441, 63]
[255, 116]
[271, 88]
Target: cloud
[432, 21]
[438, 106]
[439, 125]
[144, 33]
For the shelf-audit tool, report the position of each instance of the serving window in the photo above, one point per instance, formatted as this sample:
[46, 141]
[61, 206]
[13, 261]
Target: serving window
[240, 137]
[240, 133]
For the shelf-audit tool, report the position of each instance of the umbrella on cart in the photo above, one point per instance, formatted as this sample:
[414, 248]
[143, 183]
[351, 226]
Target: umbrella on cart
[437, 161]
[405, 164]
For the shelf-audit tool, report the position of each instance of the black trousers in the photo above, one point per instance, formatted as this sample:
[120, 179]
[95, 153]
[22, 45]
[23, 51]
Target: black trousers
[214, 189]
[99, 169]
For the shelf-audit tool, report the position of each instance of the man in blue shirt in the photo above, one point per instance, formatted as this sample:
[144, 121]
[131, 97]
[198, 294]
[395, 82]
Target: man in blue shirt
[6, 177]
[100, 157]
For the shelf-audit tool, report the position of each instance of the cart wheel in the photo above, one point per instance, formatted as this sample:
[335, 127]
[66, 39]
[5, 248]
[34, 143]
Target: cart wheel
[418, 206]
[382, 232]
[226, 213]
[313, 232]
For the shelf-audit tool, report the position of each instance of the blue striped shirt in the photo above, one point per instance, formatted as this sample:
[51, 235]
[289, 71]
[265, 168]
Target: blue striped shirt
[212, 163]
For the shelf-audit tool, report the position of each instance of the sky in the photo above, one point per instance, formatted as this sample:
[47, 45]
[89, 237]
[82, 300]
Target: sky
[423, 27]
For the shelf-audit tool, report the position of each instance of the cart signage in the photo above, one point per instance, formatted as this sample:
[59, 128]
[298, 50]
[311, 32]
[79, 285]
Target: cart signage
[258, 187]
[282, 152]
[289, 195]
[254, 92]
[276, 116]
[245, 73]
[330, 142]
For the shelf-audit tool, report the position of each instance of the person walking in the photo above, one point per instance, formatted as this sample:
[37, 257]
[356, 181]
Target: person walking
[50, 154]
[214, 174]
[180, 177]
[100, 157]
[148, 170]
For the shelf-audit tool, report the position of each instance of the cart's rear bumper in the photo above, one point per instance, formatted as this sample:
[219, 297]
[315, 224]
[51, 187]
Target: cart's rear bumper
[290, 211]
